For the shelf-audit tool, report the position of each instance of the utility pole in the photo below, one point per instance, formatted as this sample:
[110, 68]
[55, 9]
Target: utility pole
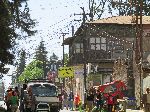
[63, 35]
[139, 41]
[138, 5]
[84, 52]
[72, 30]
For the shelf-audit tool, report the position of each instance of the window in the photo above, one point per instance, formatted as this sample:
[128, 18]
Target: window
[44, 90]
[103, 47]
[98, 43]
[103, 40]
[78, 48]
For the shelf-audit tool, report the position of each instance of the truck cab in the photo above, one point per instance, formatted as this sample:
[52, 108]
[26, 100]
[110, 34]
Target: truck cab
[45, 95]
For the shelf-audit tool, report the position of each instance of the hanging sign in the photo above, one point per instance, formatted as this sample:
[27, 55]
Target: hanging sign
[65, 72]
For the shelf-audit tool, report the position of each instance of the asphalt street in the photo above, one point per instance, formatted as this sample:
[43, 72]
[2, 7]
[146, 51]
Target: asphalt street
[2, 104]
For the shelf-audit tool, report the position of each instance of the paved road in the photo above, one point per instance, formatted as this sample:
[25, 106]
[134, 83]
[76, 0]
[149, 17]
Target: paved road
[2, 104]
[129, 110]
[63, 111]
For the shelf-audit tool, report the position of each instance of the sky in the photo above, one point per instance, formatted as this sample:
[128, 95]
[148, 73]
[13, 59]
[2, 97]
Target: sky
[53, 17]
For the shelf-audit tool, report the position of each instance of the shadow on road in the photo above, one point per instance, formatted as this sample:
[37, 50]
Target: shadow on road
[2, 109]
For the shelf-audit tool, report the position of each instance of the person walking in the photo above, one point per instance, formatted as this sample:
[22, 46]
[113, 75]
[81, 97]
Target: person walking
[14, 102]
[76, 101]
[7, 98]
[65, 99]
[70, 100]
[17, 93]
[90, 101]
[29, 101]
[22, 95]
[110, 101]
[99, 101]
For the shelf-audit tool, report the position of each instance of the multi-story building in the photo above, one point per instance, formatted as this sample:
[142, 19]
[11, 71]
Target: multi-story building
[107, 45]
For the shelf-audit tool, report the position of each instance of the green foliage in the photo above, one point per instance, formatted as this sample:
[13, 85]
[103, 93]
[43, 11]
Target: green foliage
[41, 55]
[13, 16]
[120, 7]
[54, 57]
[22, 62]
[32, 71]
[66, 59]
[41, 52]
[128, 7]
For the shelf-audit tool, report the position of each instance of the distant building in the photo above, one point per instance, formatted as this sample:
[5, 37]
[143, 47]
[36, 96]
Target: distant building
[2, 89]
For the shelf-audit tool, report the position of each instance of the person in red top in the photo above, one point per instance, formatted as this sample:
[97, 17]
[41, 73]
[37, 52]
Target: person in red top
[110, 101]
[77, 100]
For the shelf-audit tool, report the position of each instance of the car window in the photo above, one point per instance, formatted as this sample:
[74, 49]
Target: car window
[44, 90]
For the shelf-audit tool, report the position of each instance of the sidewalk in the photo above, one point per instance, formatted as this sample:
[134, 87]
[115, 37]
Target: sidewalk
[129, 110]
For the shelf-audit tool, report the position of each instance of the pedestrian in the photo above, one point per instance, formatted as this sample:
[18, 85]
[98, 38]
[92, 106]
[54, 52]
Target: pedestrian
[90, 101]
[60, 96]
[17, 93]
[99, 100]
[65, 99]
[22, 95]
[14, 102]
[29, 101]
[70, 100]
[76, 101]
[110, 101]
[7, 98]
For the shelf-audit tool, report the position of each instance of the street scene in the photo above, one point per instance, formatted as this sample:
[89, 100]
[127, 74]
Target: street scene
[74, 56]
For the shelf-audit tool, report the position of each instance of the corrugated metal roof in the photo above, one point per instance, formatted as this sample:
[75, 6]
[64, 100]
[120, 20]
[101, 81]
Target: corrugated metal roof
[121, 20]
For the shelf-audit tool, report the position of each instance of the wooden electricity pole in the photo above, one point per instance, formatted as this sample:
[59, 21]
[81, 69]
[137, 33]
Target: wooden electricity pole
[63, 61]
[139, 41]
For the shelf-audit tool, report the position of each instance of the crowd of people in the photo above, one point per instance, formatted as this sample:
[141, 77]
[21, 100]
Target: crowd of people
[96, 101]
[12, 99]
[13, 96]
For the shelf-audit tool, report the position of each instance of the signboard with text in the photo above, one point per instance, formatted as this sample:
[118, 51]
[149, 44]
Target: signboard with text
[64, 72]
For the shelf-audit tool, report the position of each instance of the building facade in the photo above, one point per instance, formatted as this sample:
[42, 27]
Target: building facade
[108, 45]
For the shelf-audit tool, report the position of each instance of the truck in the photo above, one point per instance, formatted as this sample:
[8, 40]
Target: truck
[45, 94]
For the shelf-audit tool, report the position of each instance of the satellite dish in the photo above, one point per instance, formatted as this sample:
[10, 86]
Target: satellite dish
[148, 58]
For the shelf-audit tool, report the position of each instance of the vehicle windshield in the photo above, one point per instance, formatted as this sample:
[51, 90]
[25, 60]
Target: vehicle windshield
[44, 90]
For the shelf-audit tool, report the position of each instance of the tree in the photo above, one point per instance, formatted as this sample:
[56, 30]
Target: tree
[12, 17]
[66, 59]
[127, 7]
[32, 70]
[22, 63]
[41, 55]
[54, 62]
[121, 7]
[41, 52]
[53, 57]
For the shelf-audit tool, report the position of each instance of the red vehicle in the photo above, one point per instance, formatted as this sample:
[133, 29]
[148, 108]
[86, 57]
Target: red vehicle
[118, 88]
